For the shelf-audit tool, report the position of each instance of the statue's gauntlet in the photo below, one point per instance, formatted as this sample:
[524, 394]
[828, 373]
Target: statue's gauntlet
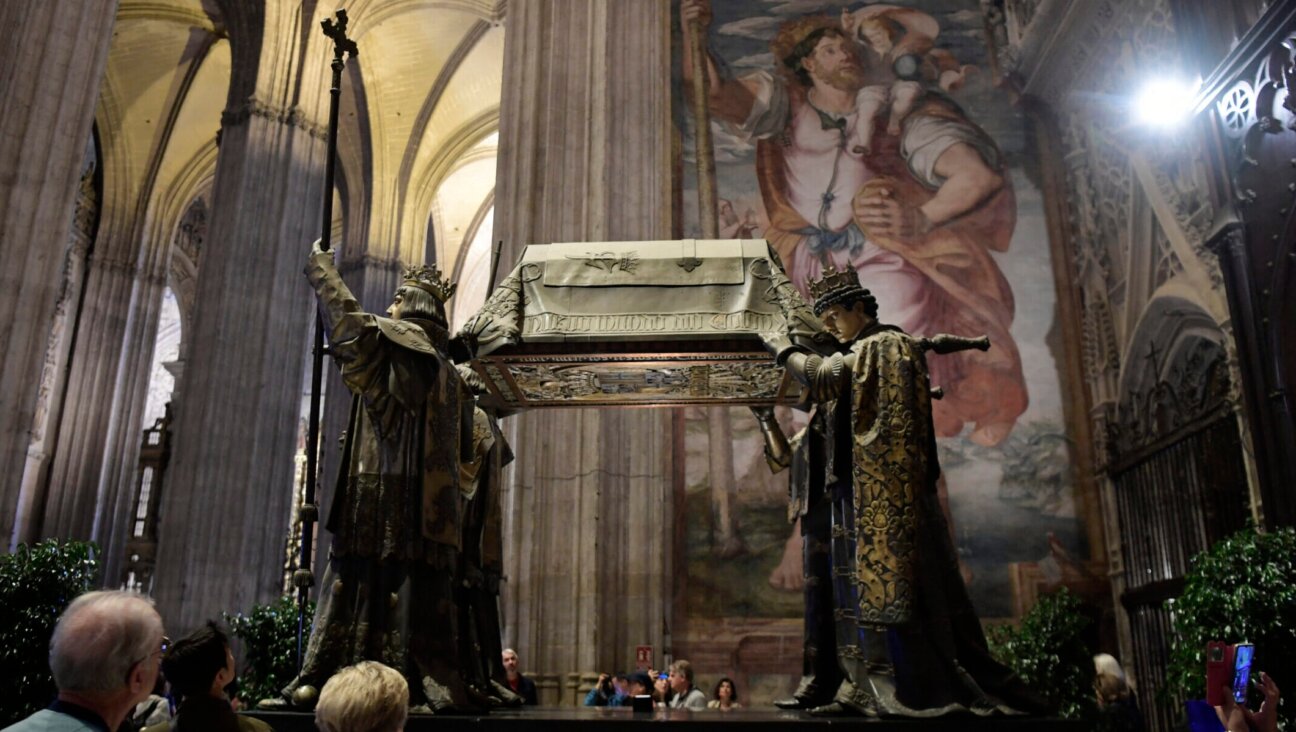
[334, 296]
[822, 376]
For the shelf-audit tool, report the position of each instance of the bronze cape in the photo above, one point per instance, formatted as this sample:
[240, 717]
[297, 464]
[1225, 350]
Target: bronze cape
[388, 591]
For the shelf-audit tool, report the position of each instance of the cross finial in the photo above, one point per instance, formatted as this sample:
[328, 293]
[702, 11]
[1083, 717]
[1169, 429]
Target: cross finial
[337, 31]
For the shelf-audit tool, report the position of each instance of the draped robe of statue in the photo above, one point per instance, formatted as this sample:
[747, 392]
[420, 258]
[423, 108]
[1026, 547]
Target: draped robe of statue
[388, 590]
[482, 561]
[907, 640]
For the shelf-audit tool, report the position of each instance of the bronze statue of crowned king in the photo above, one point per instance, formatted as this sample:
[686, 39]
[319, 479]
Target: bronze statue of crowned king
[890, 629]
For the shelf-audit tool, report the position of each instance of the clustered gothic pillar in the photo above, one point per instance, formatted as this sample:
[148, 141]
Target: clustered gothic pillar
[229, 494]
[589, 509]
[95, 467]
[53, 60]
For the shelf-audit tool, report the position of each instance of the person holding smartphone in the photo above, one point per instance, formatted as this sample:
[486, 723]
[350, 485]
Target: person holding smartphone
[1235, 716]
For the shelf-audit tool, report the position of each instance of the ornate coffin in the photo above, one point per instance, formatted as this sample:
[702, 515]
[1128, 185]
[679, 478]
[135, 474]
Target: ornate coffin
[646, 323]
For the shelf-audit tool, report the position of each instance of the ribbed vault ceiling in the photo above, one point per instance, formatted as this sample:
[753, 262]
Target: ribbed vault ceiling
[431, 74]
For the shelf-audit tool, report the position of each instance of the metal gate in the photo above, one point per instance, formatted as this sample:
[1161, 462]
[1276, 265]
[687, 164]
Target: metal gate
[1175, 496]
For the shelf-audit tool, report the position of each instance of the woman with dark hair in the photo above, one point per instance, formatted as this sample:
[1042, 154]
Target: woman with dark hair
[726, 695]
[662, 693]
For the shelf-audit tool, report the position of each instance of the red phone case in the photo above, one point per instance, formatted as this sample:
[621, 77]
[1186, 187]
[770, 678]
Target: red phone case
[1219, 671]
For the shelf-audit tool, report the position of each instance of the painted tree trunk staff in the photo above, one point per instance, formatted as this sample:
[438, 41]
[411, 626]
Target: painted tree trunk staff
[907, 641]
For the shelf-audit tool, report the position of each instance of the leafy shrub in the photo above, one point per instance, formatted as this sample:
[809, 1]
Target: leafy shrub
[36, 584]
[269, 637]
[1048, 654]
[1241, 589]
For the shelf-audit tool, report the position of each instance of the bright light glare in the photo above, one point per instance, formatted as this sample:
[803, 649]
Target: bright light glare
[1165, 102]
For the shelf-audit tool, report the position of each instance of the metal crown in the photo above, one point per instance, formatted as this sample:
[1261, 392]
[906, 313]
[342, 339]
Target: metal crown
[428, 279]
[834, 282]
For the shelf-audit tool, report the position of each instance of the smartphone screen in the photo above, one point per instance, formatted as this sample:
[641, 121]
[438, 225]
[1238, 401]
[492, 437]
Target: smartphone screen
[1242, 670]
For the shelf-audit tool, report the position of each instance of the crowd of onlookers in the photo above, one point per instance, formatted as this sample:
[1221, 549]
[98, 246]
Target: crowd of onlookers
[108, 655]
[673, 688]
[116, 671]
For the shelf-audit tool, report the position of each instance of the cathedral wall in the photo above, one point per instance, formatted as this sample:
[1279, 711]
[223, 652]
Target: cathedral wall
[1021, 494]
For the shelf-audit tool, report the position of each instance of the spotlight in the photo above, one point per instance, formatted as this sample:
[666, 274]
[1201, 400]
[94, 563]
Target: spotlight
[1165, 102]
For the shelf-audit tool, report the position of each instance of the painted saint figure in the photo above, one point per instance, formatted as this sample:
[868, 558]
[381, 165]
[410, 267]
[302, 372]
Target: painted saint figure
[915, 206]
[890, 628]
[388, 591]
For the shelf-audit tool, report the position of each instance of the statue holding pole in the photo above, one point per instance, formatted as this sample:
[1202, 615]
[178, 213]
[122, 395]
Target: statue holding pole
[388, 592]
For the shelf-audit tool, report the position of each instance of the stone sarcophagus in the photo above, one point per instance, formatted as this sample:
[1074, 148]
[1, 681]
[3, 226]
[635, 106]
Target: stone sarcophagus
[646, 323]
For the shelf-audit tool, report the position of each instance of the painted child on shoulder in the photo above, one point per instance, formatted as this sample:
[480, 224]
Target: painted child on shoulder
[902, 63]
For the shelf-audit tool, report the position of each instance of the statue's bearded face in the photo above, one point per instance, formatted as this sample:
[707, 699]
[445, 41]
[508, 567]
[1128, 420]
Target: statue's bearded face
[844, 324]
[834, 63]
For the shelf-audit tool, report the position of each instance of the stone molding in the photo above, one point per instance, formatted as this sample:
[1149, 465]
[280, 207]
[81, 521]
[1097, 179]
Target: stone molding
[356, 263]
[292, 116]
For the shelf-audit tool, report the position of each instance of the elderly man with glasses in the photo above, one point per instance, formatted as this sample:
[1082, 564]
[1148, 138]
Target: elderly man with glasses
[105, 654]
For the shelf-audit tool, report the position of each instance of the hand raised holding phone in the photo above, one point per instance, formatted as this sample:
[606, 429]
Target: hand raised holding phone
[1237, 718]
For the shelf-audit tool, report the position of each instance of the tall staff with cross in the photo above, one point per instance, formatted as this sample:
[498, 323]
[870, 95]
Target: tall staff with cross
[304, 577]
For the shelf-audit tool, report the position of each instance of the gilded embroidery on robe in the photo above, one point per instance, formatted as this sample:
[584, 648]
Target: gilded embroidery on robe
[892, 431]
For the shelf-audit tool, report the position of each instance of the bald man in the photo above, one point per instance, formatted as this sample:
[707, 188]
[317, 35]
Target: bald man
[105, 654]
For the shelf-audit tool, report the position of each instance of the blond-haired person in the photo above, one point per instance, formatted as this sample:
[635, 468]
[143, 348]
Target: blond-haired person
[366, 697]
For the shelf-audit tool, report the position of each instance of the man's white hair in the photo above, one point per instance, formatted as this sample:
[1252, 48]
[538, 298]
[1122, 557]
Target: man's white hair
[366, 697]
[99, 637]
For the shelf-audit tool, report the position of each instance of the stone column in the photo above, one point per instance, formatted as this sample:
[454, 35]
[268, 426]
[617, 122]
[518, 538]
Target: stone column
[588, 506]
[229, 494]
[50, 402]
[53, 60]
[95, 467]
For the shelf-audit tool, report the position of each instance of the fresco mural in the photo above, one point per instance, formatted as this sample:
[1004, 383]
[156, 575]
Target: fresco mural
[870, 135]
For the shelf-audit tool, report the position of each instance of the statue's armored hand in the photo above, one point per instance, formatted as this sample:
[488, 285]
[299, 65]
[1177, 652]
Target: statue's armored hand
[335, 298]
[319, 259]
[779, 345]
[778, 454]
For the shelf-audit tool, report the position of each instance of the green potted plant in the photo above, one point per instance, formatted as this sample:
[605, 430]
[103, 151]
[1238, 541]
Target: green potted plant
[1243, 589]
[269, 637]
[36, 583]
[1047, 651]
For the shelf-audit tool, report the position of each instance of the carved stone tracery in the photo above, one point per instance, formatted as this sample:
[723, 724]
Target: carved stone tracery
[1194, 386]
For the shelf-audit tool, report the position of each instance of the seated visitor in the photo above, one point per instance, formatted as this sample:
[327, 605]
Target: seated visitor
[638, 684]
[366, 697]
[517, 683]
[608, 691]
[104, 654]
[199, 667]
[687, 696]
[1116, 703]
[726, 695]
[662, 694]
[156, 709]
